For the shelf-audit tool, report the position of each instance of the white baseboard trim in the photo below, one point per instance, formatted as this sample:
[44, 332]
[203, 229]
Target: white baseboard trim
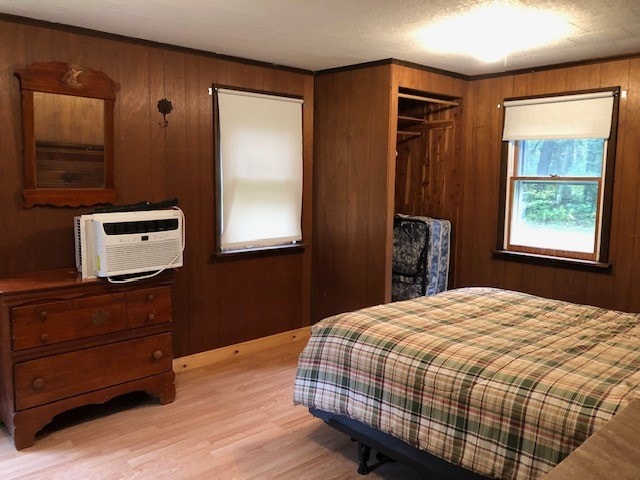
[224, 353]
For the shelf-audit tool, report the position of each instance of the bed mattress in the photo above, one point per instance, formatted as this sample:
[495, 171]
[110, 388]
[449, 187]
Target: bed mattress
[502, 383]
[432, 275]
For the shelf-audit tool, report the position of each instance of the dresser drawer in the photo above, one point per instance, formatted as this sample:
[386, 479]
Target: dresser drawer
[56, 322]
[60, 376]
[149, 306]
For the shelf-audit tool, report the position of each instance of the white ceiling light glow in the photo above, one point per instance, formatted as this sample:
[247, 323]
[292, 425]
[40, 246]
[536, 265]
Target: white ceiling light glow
[492, 32]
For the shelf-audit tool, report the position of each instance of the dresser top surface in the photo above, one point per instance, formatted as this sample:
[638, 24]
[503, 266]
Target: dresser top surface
[41, 280]
[63, 278]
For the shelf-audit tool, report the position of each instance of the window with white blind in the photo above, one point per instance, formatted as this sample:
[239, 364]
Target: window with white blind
[258, 170]
[558, 154]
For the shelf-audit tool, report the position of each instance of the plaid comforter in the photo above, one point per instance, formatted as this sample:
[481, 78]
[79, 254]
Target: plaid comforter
[502, 383]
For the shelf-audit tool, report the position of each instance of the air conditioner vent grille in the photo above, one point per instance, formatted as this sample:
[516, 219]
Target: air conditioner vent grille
[141, 226]
[143, 255]
[78, 241]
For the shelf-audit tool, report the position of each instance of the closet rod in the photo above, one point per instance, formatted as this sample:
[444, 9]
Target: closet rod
[428, 99]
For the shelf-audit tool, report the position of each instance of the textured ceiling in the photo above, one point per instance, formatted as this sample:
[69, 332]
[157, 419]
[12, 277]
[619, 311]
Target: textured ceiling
[322, 34]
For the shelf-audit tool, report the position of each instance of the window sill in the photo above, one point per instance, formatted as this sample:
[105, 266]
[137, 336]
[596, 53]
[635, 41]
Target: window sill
[262, 251]
[586, 265]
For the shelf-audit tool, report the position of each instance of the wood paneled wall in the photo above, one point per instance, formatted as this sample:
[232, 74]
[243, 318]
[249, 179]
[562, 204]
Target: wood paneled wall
[618, 289]
[353, 190]
[216, 303]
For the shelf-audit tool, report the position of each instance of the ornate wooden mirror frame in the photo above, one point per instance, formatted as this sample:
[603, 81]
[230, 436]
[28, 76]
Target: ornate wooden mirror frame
[67, 135]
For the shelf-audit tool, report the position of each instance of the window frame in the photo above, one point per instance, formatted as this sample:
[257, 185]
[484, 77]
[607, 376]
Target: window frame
[509, 162]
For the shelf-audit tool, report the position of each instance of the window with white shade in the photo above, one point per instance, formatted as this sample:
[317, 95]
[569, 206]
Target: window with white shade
[258, 170]
[558, 154]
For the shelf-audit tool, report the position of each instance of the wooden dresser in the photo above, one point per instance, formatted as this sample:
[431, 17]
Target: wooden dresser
[67, 342]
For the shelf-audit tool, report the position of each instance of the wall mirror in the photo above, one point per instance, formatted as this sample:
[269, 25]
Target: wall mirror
[67, 135]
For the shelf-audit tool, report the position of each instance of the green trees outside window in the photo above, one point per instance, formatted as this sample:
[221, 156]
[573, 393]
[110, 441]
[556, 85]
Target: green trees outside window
[568, 197]
[555, 193]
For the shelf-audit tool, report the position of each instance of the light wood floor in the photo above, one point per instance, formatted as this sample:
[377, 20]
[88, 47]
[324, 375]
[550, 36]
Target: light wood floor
[234, 420]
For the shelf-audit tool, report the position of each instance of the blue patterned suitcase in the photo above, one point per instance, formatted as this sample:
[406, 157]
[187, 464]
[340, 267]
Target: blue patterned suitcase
[420, 256]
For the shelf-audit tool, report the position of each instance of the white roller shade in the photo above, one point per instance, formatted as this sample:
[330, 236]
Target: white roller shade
[568, 116]
[260, 142]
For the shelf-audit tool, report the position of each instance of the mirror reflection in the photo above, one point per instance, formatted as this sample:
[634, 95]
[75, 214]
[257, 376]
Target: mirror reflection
[69, 141]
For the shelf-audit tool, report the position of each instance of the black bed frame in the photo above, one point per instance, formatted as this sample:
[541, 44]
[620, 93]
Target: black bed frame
[393, 448]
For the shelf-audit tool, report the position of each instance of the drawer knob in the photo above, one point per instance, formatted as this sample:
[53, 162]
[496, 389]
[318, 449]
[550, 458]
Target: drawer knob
[150, 297]
[151, 316]
[99, 317]
[38, 383]
[44, 338]
[43, 315]
[157, 355]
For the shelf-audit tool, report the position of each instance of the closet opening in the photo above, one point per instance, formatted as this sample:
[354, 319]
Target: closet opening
[427, 184]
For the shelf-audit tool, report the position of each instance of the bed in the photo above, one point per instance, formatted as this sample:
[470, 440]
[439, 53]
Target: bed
[495, 383]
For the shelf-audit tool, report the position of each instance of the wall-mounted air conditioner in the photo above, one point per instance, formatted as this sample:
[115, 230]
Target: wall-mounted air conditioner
[123, 243]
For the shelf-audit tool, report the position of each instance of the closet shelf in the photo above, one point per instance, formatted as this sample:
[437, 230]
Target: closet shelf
[405, 118]
[421, 124]
[407, 133]
[420, 98]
